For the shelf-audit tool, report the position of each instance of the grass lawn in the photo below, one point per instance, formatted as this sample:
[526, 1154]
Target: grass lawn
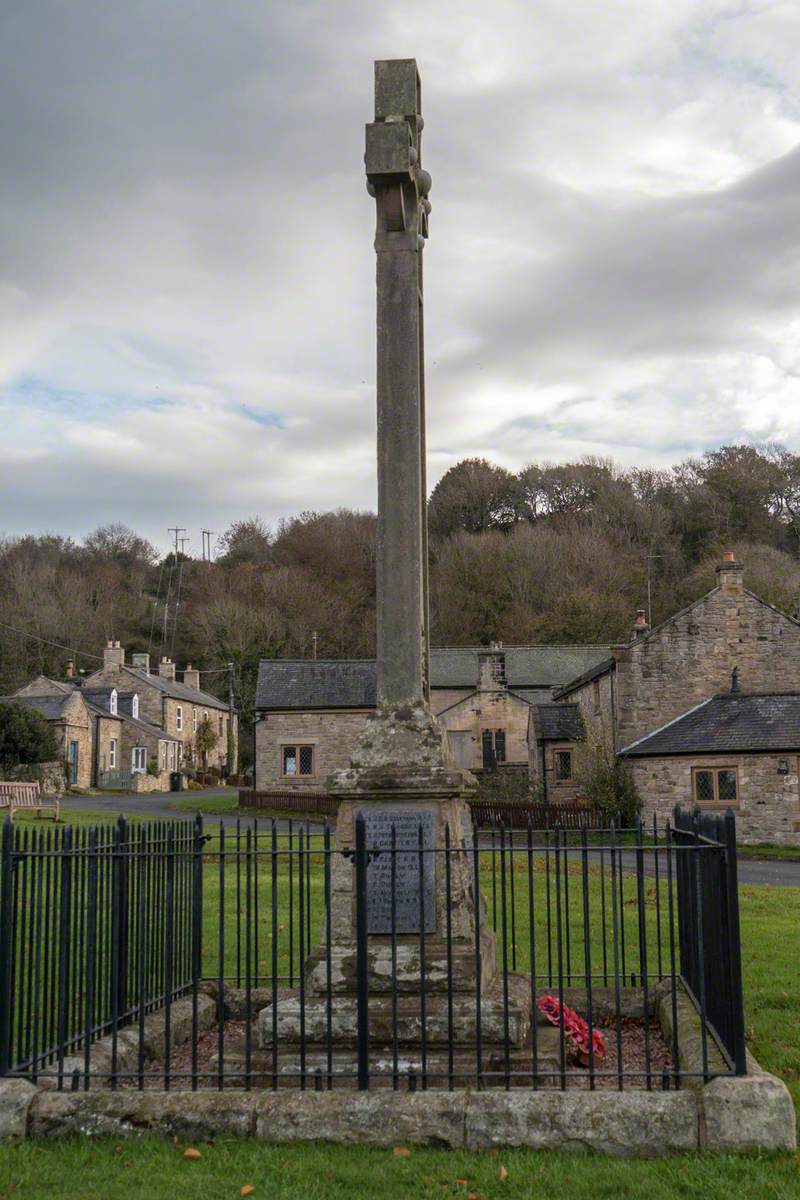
[149, 1167]
[155, 1169]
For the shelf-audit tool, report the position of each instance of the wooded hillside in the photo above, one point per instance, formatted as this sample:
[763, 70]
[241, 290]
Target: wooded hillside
[557, 553]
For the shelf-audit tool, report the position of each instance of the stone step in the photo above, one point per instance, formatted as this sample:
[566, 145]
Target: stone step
[344, 1066]
[285, 1024]
[458, 974]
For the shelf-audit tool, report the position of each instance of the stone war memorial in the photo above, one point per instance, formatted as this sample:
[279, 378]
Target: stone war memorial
[397, 975]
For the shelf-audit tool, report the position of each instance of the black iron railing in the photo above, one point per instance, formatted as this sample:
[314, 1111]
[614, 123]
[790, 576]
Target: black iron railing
[268, 957]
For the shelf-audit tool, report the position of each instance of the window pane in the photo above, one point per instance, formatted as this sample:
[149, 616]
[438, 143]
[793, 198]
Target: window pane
[289, 760]
[500, 745]
[726, 784]
[703, 786]
[487, 749]
[306, 760]
[563, 764]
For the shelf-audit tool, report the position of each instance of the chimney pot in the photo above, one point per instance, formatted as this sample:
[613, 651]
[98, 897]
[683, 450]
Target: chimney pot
[70, 669]
[730, 575]
[640, 625]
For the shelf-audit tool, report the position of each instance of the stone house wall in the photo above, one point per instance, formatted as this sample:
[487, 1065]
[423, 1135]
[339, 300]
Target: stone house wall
[769, 801]
[106, 729]
[497, 709]
[332, 733]
[556, 790]
[442, 698]
[76, 725]
[599, 703]
[692, 656]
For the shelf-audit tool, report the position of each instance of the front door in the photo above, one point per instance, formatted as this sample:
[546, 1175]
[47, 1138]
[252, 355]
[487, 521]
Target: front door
[72, 762]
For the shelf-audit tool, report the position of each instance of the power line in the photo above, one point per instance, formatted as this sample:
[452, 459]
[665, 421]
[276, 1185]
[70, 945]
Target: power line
[58, 645]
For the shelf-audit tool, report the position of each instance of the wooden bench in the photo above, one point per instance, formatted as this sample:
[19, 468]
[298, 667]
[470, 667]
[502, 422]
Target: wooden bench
[16, 796]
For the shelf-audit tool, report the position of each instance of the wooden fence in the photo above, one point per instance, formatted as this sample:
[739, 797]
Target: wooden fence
[305, 803]
[485, 813]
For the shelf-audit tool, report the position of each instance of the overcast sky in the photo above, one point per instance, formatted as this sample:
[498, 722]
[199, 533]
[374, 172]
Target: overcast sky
[186, 262]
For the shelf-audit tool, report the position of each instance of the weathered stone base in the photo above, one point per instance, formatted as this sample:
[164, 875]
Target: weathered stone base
[495, 1069]
[750, 1113]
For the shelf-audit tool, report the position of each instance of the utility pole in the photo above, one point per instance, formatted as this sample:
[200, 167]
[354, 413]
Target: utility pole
[231, 739]
[177, 530]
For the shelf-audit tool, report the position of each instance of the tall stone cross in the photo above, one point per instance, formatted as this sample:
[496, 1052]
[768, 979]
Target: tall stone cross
[400, 186]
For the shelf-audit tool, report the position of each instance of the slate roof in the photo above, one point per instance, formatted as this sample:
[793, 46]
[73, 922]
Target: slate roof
[526, 666]
[734, 723]
[559, 722]
[178, 691]
[315, 683]
[531, 672]
[52, 707]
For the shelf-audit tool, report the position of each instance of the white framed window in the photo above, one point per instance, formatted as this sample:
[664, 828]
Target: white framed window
[135, 706]
[112, 754]
[112, 702]
[180, 754]
[172, 756]
[194, 720]
[163, 756]
[205, 714]
[139, 760]
[179, 718]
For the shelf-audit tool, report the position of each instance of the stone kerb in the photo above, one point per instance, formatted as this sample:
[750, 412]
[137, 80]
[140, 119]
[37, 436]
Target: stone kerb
[745, 1114]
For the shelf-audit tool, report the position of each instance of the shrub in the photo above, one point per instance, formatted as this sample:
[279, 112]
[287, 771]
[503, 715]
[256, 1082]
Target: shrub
[25, 736]
[205, 739]
[607, 781]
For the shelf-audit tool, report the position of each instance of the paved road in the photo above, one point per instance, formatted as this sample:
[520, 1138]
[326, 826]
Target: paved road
[158, 806]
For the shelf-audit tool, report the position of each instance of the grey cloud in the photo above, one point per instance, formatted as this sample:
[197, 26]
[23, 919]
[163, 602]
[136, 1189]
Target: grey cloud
[183, 218]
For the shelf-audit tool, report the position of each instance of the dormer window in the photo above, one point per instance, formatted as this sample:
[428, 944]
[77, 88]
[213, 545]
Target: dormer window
[112, 702]
[135, 707]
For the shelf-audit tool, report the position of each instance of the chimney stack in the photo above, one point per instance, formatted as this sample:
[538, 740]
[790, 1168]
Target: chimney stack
[191, 677]
[141, 661]
[641, 627]
[166, 669]
[113, 656]
[730, 575]
[492, 669]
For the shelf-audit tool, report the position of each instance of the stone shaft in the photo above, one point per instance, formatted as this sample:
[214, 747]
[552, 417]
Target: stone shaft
[399, 186]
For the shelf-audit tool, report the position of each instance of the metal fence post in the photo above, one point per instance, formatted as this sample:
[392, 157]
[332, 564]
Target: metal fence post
[734, 945]
[6, 942]
[362, 981]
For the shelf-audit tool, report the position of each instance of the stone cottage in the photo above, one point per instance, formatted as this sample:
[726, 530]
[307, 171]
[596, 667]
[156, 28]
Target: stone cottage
[176, 707]
[309, 713]
[100, 734]
[734, 750]
[685, 665]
